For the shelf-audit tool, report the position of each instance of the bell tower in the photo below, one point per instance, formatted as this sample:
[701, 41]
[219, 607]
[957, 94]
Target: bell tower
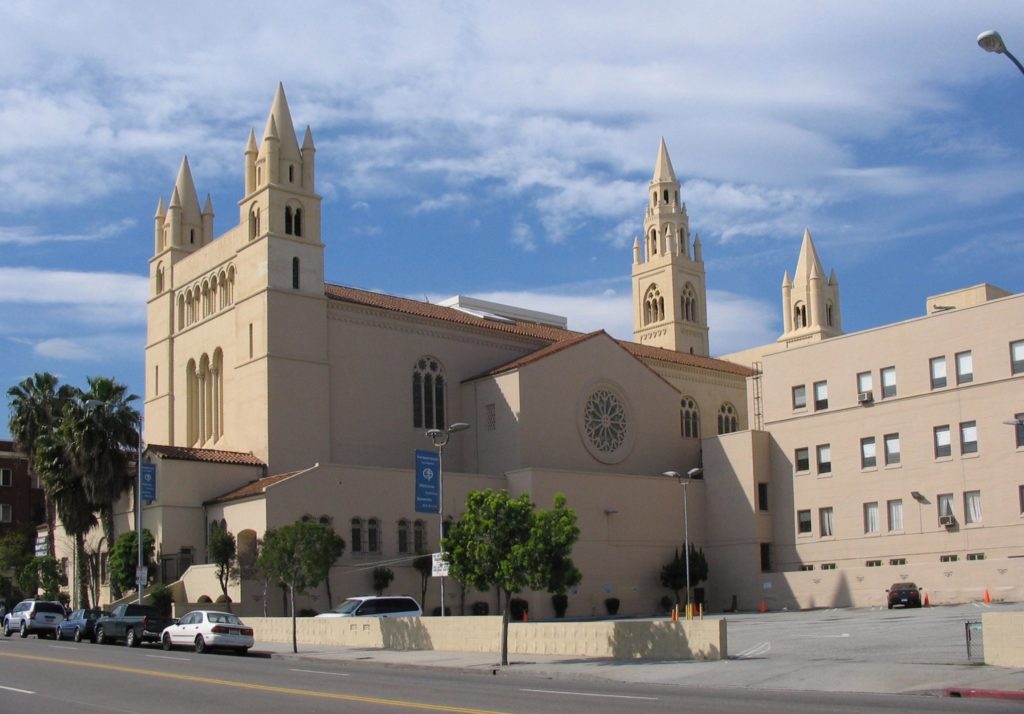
[669, 293]
[810, 301]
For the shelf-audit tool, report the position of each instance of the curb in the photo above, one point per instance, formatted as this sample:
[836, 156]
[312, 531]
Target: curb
[956, 692]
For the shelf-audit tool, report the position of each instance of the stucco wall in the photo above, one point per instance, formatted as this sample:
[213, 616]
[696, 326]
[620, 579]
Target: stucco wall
[624, 639]
[1003, 634]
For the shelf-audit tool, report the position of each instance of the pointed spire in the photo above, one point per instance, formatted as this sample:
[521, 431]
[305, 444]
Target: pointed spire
[663, 166]
[208, 207]
[307, 140]
[175, 199]
[250, 145]
[284, 129]
[160, 210]
[698, 252]
[186, 189]
[808, 265]
[271, 131]
[832, 279]
[786, 282]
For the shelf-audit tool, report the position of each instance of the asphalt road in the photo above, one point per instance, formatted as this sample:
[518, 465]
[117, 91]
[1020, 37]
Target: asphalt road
[49, 676]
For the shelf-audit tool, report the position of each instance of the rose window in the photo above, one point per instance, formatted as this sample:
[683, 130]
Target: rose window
[604, 418]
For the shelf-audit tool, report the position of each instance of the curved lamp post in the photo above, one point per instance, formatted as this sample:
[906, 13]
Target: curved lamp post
[684, 481]
[991, 41]
[440, 437]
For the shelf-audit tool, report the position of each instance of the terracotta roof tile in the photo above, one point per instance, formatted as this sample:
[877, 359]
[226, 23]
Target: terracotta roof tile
[538, 355]
[684, 358]
[213, 456]
[254, 488]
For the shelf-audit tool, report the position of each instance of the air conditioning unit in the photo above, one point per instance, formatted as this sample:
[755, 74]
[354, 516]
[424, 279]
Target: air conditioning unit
[865, 397]
[947, 521]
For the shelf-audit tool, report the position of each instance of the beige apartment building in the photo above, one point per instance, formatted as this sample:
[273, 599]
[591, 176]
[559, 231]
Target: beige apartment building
[273, 395]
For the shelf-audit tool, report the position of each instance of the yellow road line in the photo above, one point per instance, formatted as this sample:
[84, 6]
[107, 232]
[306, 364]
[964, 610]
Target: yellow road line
[257, 687]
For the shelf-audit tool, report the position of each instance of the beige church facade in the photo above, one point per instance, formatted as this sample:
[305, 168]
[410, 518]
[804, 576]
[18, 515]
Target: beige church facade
[273, 395]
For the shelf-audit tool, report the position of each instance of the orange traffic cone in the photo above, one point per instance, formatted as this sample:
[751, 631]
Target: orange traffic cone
[675, 613]
[526, 615]
[988, 598]
[762, 607]
[927, 602]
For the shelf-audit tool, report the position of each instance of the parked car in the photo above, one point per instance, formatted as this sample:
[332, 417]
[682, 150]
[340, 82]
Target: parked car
[132, 623]
[39, 617]
[208, 629]
[80, 625]
[906, 594]
[376, 606]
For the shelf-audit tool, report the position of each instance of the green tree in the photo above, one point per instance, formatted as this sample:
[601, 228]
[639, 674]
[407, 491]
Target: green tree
[424, 565]
[502, 542]
[124, 558]
[673, 573]
[15, 551]
[299, 556]
[35, 404]
[41, 573]
[223, 553]
[382, 578]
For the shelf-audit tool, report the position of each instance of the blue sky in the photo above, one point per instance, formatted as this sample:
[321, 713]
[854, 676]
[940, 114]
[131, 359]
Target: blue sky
[472, 148]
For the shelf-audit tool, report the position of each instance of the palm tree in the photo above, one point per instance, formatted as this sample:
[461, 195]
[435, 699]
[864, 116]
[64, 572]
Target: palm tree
[36, 404]
[105, 446]
[54, 462]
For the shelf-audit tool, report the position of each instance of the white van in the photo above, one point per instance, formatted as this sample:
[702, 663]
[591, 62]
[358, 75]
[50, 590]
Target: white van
[376, 606]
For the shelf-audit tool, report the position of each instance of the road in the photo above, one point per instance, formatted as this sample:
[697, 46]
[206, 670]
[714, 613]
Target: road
[45, 676]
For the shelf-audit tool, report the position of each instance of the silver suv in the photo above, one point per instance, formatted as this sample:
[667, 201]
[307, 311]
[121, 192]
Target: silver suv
[376, 606]
[40, 617]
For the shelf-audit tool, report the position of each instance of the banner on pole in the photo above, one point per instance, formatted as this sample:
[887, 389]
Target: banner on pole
[428, 475]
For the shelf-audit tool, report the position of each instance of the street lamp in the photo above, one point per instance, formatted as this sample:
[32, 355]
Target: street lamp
[440, 437]
[684, 481]
[991, 41]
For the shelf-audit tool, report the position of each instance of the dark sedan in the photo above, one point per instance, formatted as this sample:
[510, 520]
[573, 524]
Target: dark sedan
[905, 594]
[80, 625]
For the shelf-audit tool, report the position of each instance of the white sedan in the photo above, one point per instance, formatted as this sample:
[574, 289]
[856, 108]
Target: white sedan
[208, 629]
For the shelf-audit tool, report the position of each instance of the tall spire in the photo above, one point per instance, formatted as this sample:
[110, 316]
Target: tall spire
[663, 166]
[285, 129]
[186, 189]
[808, 265]
[810, 303]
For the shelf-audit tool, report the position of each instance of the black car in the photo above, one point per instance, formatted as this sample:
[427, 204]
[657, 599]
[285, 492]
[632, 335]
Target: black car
[80, 625]
[905, 594]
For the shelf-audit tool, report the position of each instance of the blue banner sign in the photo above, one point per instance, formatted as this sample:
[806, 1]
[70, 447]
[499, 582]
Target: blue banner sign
[147, 478]
[428, 478]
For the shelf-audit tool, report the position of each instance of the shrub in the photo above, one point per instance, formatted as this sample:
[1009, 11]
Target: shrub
[162, 598]
[612, 605]
[561, 603]
[518, 608]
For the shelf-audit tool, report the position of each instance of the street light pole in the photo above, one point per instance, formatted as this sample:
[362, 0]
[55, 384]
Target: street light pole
[684, 481]
[991, 41]
[440, 437]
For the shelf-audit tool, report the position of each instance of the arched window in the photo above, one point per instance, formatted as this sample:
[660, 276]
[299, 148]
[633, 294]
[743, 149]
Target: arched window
[181, 312]
[291, 173]
[192, 236]
[254, 221]
[828, 314]
[652, 242]
[428, 394]
[666, 195]
[295, 273]
[654, 305]
[191, 403]
[206, 299]
[298, 222]
[654, 198]
[373, 536]
[727, 421]
[403, 536]
[689, 300]
[689, 418]
[357, 535]
[217, 394]
[288, 220]
[800, 315]
[419, 536]
[160, 278]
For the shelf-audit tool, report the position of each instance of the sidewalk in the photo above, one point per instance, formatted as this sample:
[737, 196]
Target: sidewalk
[753, 673]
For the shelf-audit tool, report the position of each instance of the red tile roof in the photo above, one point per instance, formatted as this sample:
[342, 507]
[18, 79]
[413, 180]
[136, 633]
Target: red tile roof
[254, 488]
[685, 358]
[213, 456]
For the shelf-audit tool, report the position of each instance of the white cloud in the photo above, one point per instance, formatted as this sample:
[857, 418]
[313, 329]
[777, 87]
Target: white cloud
[35, 285]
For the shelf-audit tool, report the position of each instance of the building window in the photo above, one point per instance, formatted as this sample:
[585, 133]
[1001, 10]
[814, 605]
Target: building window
[892, 449]
[762, 497]
[357, 535]
[1017, 357]
[825, 521]
[948, 558]
[868, 458]
[6, 513]
[806, 568]
[6, 478]
[419, 536]
[941, 438]
[295, 273]
[766, 557]
[824, 458]
[727, 421]
[896, 515]
[964, 368]
[373, 536]
[864, 382]
[968, 437]
[937, 366]
[1020, 497]
[1018, 429]
[888, 382]
[871, 517]
[972, 507]
[944, 503]
[820, 396]
[490, 417]
[873, 564]
[800, 396]
[897, 561]
[689, 418]
[654, 303]
[428, 394]
[403, 536]
[975, 556]
[803, 519]
[802, 459]
[828, 566]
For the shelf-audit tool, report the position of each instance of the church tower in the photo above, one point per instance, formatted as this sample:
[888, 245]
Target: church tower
[810, 302]
[669, 293]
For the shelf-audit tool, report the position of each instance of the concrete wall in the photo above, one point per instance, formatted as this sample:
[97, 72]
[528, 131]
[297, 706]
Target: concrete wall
[1003, 633]
[623, 639]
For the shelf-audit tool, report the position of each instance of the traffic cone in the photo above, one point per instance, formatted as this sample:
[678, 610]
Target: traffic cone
[675, 613]
[526, 615]
[988, 598]
[927, 602]
[762, 607]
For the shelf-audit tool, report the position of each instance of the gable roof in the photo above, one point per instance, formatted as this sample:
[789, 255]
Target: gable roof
[538, 355]
[254, 488]
[212, 456]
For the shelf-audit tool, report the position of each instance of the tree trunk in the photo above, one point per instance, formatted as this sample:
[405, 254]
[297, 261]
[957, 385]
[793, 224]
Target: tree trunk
[291, 603]
[330, 598]
[81, 567]
[107, 520]
[504, 628]
[51, 526]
